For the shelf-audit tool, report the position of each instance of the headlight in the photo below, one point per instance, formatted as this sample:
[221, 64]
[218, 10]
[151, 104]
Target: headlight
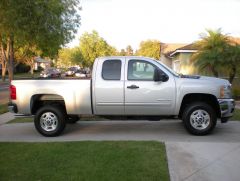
[225, 92]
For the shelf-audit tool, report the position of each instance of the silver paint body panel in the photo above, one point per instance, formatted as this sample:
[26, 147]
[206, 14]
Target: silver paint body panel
[112, 97]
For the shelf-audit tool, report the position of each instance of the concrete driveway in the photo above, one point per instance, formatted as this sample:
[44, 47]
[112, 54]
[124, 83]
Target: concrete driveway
[164, 131]
[212, 157]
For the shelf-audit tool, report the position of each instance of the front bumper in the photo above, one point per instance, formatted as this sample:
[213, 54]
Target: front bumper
[226, 107]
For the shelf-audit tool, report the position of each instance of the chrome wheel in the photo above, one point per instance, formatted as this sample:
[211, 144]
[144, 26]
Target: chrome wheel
[48, 121]
[200, 119]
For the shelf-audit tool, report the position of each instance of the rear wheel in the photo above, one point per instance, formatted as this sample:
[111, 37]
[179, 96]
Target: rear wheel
[199, 118]
[50, 121]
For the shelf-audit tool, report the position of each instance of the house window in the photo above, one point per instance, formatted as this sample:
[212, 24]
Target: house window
[176, 66]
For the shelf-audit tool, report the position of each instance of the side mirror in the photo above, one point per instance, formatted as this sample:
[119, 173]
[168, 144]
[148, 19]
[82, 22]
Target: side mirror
[160, 76]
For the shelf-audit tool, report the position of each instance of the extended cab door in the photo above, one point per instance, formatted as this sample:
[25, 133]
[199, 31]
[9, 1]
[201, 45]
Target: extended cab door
[108, 86]
[143, 95]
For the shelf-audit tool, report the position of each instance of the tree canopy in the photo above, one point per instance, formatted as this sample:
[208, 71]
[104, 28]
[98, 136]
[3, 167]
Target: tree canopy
[70, 57]
[216, 50]
[45, 25]
[93, 46]
[150, 48]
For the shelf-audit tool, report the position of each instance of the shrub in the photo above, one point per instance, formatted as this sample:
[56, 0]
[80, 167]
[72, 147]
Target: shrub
[236, 93]
[22, 68]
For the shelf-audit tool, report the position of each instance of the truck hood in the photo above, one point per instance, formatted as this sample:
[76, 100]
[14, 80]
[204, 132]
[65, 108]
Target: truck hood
[215, 80]
[212, 80]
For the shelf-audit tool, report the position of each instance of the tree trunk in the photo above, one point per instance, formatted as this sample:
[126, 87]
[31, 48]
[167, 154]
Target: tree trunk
[214, 71]
[32, 66]
[32, 69]
[11, 58]
[232, 74]
[3, 59]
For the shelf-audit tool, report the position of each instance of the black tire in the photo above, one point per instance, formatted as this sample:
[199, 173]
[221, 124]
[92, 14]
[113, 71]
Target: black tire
[196, 124]
[50, 113]
[72, 119]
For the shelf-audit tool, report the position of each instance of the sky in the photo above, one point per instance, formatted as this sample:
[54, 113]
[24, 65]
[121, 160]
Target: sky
[128, 22]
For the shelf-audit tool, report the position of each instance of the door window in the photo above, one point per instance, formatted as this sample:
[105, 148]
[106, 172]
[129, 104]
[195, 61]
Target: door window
[140, 70]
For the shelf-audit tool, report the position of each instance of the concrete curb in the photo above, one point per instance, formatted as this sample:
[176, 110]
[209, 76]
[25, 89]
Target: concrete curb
[4, 118]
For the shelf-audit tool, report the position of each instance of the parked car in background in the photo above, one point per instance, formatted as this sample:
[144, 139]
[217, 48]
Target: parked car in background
[80, 73]
[71, 71]
[50, 73]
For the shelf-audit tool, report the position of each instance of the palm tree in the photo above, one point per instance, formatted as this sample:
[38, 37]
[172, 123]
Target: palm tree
[211, 53]
[233, 60]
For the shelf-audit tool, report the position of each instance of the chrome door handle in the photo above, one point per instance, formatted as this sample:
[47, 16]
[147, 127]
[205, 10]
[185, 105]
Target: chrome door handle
[132, 87]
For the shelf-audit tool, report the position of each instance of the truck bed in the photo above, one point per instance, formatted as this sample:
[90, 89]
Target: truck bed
[75, 92]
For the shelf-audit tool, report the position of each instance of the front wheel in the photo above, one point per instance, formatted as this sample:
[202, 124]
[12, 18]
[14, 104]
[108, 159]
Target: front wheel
[199, 118]
[50, 121]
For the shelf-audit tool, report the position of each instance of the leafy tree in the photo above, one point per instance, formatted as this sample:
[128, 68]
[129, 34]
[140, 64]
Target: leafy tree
[150, 48]
[26, 54]
[45, 25]
[122, 52]
[129, 50]
[93, 46]
[211, 51]
[216, 51]
[69, 57]
[232, 60]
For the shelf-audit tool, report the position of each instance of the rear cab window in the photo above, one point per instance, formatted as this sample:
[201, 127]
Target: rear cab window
[111, 69]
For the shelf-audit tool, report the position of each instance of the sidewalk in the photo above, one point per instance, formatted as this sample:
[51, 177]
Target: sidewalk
[4, 118]
[189, 161]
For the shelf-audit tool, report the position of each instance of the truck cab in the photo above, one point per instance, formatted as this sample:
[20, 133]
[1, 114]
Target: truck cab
[132, 86]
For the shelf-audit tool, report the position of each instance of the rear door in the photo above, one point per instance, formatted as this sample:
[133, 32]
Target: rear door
[109, 87]
[144, 96]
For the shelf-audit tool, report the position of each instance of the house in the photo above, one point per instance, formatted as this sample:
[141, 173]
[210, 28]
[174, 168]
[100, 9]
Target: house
[179, 59]
[39, 62]
[165, 49]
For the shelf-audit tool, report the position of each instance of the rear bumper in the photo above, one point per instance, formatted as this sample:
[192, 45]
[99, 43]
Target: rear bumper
[12, 108]
[227, 107]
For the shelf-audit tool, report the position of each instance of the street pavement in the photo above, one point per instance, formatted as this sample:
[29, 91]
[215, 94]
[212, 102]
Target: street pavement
[214, 157]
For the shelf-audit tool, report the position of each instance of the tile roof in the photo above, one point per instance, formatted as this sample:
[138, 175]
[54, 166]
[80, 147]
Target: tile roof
[191, 46]
[168, 47]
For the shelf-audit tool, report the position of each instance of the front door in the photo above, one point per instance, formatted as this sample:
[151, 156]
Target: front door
[144, 96]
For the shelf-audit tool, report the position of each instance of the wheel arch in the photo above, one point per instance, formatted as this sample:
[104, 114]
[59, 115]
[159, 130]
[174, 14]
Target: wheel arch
[200, 97]
[39, 100]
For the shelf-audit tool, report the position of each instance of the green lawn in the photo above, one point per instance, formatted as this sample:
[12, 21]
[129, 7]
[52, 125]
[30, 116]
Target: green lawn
[85, 118]
[236, 115]
[100, 161]
[3, 108]
[21, 120]
[26, 75]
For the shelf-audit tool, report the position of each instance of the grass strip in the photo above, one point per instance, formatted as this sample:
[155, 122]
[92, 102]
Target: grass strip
[88, 160]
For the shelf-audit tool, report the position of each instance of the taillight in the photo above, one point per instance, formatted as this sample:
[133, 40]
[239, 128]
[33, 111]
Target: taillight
[13, 93]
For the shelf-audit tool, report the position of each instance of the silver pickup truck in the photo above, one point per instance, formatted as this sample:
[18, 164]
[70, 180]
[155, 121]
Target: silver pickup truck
[129, 86]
